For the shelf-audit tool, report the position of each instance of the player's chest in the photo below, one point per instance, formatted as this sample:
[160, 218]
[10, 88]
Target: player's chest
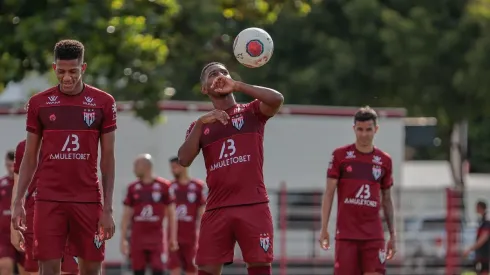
[362, 171]
[240, 123]
[71, 117]
[148, 196]
[185, 196]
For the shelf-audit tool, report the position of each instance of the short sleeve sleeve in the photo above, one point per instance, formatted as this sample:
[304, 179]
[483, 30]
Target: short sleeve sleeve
[110, 116]
[387, 180]
[170, 196]
[202, 196]
[333, 170]
[33, 123]
[188, 132]
[19, 154]
[128, 201]
[255, 106]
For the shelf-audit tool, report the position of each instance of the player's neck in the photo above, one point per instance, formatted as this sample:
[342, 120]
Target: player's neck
[224, 103]
[147, 179]
[366, 149]
[184, 179]
[78, 89]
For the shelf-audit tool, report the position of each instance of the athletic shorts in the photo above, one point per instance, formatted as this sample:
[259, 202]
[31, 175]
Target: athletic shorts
[69, 263]
[249, 225]
[359, 257]
[7, 250]
[141, 258]
[183, 258]
[482, 266]
[57, 222]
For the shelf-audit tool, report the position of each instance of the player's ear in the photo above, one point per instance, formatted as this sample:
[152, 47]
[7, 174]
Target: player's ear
[203, 89]
[84, 67]
[376, 129]
[54, 66]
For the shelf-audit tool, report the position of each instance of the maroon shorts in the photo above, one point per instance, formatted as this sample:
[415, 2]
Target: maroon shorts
[7, 250]
[140, 258]
[57, 222]
[68, 265]
[249, 225]
[183, 258]
[359, 257]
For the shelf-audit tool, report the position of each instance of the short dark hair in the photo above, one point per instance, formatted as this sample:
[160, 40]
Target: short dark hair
[481, 204]
[207, 66]
[174, 159]
[69, 50]
[10, 155]
[366, 114]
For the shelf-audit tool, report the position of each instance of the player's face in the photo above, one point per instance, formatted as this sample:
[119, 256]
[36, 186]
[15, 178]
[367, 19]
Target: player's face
[139, 168]
[177, 169]
[209, 76]
[365, 131]
[9, 165]
[69, 73]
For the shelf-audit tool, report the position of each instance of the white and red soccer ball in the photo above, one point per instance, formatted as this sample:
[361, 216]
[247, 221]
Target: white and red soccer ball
[253, 47]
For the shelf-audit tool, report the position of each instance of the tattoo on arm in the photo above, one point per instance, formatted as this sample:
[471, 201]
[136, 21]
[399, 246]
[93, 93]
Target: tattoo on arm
[388, 210]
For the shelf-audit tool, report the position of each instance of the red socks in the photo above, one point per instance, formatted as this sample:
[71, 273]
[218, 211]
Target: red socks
[200, 272]
[259, 270]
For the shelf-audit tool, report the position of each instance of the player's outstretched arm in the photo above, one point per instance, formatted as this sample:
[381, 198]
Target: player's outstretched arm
[125, 223]
[270, 99]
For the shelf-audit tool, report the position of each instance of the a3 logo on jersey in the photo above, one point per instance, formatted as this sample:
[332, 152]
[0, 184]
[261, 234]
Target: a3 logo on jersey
[237, 121]
[376, 172]
[89, 116]
[98, 242]
[265, 241]
[191, 197]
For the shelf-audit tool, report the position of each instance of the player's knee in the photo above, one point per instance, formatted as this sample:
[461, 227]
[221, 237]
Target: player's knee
[210, 270]
[175, 271]
[259, 268]
[89, 267]
[50, 267]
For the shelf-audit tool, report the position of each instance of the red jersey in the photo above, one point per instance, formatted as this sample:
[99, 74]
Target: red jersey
[6, 185]
[234, 157]
[188, 199]
[70, 127]
[361, 177]
[149, 203]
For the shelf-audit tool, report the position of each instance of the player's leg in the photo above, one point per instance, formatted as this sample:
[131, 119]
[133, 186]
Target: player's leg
[6, 263]
[50, 233]
[373, 257]
[138, 260]
[347, 260]
[69, 263]
[156, 262]
[253, 227]
[216, 242]
[188, 254]
[20, 260]
[83, 236]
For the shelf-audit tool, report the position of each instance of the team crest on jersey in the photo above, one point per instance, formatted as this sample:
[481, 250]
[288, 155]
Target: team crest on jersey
[89, 116]
[382, 256]
[98, 241]
[376, 172]
[265, 242]
[191, 197]
[156, 196]
[238, 121]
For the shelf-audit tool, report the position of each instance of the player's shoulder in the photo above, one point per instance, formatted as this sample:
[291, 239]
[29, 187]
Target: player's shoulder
[382, 155]
[162, 181]
[43, 96]
[197, 183]
[98, 94]
[347, 149]
[5, 180]
[21, 145]
[134, 185]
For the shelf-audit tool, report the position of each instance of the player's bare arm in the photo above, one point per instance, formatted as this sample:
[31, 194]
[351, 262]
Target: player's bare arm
[327, 201]
[125, 223]
[190, 148]
[172, 226]
[108, 170]
[270, 99]
[479, 243]
[27, 169]
[16, 237]
[389, 214]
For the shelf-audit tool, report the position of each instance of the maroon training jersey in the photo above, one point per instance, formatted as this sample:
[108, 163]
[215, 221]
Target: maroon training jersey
[71, 127]
[6, 185]
[234, 156]
[361, 177]
[188, 199]
[149, 203]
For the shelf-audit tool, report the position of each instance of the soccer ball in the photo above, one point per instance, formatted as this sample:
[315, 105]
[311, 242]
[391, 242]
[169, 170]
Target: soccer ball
[253, 47]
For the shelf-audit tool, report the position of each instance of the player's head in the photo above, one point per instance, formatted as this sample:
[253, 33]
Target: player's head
[68, 64]
[208, 74]
[177, 169]
[143, 166]
[9, 162]
[481, 207]
[365, 125]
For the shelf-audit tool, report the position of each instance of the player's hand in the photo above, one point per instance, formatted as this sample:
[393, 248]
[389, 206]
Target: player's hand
[124, 247]
[17, 240]
[466, 253]
[391, 249]
[106, 226]
[215, 115]
[174, 246]
[223, 85]
[324, 239]
[19, 217]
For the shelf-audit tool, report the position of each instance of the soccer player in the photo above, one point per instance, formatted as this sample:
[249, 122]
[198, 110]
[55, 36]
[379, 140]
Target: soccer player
[231, 138]
[24, 241]
[71, 119]
[190, 199]
[8, 254]
[482, 244]
[360, 172]
[148, 201]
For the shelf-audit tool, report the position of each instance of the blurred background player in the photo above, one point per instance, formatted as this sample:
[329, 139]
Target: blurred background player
[482, 244]
[9, 256]
[71, 119]
[231, 137]
[190, 201]
[148, 202]
[24, 241]
[360, 172]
